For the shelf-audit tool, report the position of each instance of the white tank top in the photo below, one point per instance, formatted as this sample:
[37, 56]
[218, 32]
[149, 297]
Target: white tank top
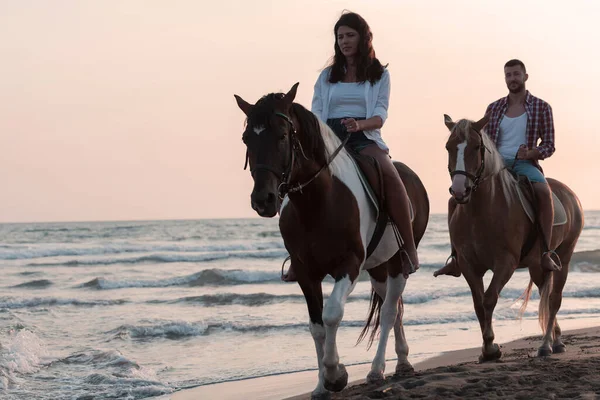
[513, 133]
[348, 100]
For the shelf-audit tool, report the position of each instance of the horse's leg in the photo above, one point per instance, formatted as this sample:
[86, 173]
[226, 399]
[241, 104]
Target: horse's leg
[502, 273]
[550, 303]
[558, 346]
[403, 366]
[313, 293]
[334, 373]
[389, 313]
[475, 282]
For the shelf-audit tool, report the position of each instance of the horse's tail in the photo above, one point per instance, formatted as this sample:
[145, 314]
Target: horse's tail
[374, 312]
[544, 310]
[525, 297]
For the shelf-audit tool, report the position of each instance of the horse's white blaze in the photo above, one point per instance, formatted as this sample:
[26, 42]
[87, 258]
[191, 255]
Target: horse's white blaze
[459, 181]
[258, 129]
[460, 156]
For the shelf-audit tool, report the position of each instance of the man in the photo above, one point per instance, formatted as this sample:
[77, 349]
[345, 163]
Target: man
[516, 123]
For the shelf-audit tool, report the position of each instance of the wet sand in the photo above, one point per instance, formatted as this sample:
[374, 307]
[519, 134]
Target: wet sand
[452, 375]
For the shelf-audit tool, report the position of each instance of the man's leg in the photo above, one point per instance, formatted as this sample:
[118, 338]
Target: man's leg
[451, 268]
[546, 218]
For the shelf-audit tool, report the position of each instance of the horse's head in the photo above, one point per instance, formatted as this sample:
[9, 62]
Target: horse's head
[269, 139]
[466, 156]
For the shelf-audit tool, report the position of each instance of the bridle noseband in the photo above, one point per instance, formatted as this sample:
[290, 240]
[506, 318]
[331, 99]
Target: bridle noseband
[284, 176]
[476, 179]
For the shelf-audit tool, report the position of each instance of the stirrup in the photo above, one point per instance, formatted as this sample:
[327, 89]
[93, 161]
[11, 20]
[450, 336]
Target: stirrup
[412, 265]
[283, 265]
[450, 257]
[552, 252]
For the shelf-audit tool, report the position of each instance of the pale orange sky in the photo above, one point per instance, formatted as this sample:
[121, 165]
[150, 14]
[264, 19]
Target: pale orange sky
[120, 110]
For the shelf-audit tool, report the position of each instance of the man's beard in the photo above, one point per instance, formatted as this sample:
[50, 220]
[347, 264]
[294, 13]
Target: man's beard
[516, 89]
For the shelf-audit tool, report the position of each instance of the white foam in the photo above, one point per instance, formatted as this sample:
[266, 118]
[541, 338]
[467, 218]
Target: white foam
[20, 353]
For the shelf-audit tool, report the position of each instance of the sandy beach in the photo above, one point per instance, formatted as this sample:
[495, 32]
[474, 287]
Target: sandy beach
[452, 375]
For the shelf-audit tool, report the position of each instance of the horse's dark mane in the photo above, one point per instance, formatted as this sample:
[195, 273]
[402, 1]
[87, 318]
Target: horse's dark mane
[308, 124]
[311, 132]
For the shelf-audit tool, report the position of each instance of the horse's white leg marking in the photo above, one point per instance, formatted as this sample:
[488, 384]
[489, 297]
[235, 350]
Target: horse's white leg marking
[389, 313]
[332, 316]
[318, 333]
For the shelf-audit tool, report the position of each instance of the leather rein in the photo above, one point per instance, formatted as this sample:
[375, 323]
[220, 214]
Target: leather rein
[285, 187]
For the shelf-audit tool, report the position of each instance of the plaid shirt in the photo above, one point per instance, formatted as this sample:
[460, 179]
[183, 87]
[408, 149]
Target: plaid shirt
[540, 124]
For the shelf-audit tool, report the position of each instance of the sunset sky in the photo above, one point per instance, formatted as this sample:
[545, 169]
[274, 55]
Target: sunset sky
[124, 110]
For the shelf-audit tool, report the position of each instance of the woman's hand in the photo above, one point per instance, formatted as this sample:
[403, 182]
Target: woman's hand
[351, 125]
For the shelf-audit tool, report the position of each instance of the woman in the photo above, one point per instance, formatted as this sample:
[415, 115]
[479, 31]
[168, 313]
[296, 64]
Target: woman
[352, 96]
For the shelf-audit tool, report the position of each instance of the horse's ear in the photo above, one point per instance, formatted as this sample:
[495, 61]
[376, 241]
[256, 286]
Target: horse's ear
[478, 126]
[448, 121]
[291, 95]
[243, 104]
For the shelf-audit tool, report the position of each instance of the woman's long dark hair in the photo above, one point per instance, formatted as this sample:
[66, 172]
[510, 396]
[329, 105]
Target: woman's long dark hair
[368, 66]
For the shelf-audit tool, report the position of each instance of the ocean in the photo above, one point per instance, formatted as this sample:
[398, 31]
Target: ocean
[131, 310]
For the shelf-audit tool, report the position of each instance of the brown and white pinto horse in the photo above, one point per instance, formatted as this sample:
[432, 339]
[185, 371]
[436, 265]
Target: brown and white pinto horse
[326, 221]
[489, 230]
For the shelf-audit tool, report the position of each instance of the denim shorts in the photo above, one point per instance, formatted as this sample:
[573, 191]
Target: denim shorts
[526, 168]
[357, 140]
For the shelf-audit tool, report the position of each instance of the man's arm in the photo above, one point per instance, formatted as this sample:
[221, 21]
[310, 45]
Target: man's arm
[546, 147]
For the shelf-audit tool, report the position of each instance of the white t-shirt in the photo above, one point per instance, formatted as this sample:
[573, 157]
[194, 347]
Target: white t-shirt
[348, 100]
[513, 133]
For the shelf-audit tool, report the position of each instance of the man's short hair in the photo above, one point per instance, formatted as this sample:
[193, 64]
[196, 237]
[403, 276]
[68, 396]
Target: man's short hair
[514, 62]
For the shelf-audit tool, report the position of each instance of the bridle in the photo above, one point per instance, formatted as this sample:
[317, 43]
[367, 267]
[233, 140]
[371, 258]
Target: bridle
[285, 176]
[475, 178]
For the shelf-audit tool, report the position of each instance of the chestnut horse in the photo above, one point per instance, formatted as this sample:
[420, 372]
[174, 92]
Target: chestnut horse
[490, 231]
[302, 170]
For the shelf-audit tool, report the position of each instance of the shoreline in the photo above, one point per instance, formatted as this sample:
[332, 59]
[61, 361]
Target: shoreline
[298, 385]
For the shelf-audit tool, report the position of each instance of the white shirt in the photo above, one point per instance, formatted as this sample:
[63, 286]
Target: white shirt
[348, 100]
[377, 99]
[513, 133]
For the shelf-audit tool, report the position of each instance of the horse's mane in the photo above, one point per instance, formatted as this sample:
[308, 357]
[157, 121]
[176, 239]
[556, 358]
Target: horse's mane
[494, 162]
[320, 135]
[318, 139]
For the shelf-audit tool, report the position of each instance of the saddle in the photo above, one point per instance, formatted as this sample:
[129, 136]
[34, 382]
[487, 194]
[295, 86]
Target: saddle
[525, 191]
[527, 199]
[371, 177]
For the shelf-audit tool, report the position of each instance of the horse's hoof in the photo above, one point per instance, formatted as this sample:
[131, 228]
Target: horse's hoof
[559, 348]
[544, 351]
[494, 356]
[374, 377]
[320, 396]
[340, 383]
[404, 369]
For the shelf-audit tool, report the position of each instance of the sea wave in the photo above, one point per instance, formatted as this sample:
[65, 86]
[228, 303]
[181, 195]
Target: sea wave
[13, 303]
[265, 299]
[180, 329]
[586, 261]
[20, 354]
[112, 375]
[166, 258]
[36, 284]
[25, 252]
[209, 277]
